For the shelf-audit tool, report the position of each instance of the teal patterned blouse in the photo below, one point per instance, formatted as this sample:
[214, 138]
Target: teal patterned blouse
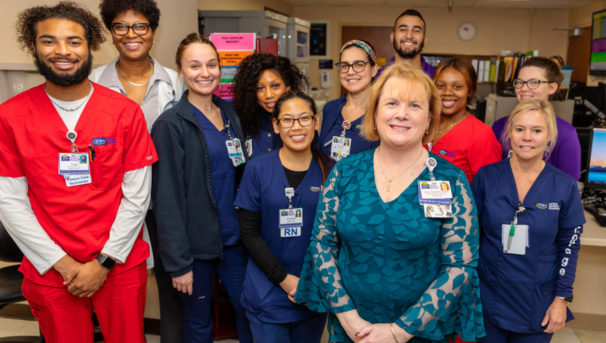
[389, 261]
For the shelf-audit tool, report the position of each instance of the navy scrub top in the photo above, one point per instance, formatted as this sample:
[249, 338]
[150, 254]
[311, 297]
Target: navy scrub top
[222, 176]
[262, 190]
[332, 125]
[267, 140]
[517, 290]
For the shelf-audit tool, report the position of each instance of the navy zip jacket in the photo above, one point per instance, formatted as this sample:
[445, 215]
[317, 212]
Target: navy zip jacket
[184, 205]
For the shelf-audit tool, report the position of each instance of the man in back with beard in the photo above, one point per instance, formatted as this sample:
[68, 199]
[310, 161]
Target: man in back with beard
[408, 39]
[75, 183]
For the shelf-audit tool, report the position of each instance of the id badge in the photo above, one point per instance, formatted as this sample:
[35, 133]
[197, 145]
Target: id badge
[437, 211]
[234, 149]
[519, 241]
[77, 180]
[340, 147]
[74, 164]
[291, 222]
[435, 192]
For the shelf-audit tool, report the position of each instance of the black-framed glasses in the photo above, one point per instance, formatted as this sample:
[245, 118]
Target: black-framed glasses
[358, 66]
[532, 83]
[287, 123]
[121, 29]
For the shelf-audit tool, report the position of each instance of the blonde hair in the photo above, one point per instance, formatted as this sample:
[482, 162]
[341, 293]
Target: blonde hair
[524, 107]
[402, 71]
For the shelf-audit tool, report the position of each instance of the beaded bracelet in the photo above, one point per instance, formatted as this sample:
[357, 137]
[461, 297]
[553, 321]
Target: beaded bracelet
[393, 333]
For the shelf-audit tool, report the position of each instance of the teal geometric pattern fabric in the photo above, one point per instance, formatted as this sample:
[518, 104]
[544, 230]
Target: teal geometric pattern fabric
[389, 261]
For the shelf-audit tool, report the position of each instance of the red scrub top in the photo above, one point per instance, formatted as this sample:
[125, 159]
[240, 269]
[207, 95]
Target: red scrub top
[469, 145]
[79, 218]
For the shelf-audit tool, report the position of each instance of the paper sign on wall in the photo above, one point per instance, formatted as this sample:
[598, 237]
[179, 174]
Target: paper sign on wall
[233, 58]
[233, 41]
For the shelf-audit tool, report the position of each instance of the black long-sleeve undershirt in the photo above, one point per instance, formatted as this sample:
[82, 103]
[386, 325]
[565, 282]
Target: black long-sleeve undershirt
[250, 233]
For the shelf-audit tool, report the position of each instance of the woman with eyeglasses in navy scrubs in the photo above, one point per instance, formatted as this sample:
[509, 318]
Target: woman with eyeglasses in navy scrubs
[283, 185]
[342, 118]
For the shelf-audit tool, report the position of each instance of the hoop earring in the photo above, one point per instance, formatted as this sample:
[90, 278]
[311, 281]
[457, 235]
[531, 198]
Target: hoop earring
[427, 131]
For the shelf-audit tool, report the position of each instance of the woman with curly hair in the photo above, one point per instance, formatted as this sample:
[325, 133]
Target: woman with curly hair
[261, 80]
[135, 74]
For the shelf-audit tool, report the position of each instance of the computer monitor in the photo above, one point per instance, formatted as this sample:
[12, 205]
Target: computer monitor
[596, 165]
[597, 59]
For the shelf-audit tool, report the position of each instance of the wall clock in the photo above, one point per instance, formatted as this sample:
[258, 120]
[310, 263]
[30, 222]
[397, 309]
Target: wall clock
[467, 31]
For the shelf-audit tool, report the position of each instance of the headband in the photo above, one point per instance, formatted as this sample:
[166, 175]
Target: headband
[364, 46]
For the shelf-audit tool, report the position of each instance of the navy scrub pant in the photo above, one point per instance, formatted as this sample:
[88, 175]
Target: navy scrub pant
[304, 331]
[197, 310]
[495, 334]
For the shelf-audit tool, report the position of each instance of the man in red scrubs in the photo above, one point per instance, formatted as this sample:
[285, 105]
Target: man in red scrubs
[75, 181]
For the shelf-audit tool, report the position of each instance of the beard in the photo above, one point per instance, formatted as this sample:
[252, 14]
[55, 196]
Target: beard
[407, 54]
[64, 80]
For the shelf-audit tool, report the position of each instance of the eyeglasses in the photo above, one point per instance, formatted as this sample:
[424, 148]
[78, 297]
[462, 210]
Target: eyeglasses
[358, 66]
[121, 29]
[287, 123]
[532, 83]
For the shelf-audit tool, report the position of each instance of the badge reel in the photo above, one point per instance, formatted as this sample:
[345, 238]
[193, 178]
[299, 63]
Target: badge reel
[234, 149]
[74, 166]
[340, 146]
[291, 219]
[514, 237]
[435, 195]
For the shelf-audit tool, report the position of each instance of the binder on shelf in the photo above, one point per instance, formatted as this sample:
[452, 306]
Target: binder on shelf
[480, 70]
[474, 64]
[493, 72]
[486, 77]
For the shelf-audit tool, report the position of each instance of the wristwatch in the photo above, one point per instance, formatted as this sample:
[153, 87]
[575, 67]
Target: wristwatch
[567, 299]
[106, 261]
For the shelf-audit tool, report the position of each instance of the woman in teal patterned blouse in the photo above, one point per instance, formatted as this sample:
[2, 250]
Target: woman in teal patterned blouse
[384, 271]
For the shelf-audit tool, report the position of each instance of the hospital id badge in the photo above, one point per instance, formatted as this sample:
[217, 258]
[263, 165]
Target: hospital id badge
[73, 164]
[519, 240]
[291, 222]
[437, 211]
[77, 180]
[340, 147]
[234, 149]
[435, 192]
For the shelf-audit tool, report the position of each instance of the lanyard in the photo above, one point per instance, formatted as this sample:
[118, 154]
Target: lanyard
[71, 136]
[346, 126]
[290, 193]
[512, 231]
[227, 130]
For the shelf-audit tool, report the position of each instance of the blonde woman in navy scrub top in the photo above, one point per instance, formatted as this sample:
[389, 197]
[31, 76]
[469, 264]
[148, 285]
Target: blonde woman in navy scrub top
[342, 118]
[531, 219]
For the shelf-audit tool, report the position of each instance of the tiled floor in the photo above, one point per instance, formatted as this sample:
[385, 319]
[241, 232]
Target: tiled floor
[15, 327]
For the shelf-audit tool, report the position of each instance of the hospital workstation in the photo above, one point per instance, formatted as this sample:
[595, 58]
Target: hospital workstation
[303, 171]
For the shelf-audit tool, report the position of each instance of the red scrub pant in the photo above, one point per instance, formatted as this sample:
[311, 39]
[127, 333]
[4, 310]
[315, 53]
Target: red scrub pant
[119, 305]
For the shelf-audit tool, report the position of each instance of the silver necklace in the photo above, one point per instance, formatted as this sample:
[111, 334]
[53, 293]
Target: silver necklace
[70, 109]
[136, 84]
[393, 178]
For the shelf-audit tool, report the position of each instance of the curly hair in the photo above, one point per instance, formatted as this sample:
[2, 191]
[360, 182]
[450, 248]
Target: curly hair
[28, 19]
[111, 8]
[245, 86]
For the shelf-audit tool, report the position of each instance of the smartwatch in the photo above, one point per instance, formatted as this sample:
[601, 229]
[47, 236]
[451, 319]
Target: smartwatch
[106, 261]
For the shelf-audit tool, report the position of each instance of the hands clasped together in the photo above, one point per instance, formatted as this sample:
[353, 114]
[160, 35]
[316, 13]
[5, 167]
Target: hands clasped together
[82, 279]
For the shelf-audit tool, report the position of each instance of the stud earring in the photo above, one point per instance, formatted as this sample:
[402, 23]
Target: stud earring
[154, 42]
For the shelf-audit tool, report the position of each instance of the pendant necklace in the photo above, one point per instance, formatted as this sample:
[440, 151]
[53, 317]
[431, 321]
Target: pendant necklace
[388, 179]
